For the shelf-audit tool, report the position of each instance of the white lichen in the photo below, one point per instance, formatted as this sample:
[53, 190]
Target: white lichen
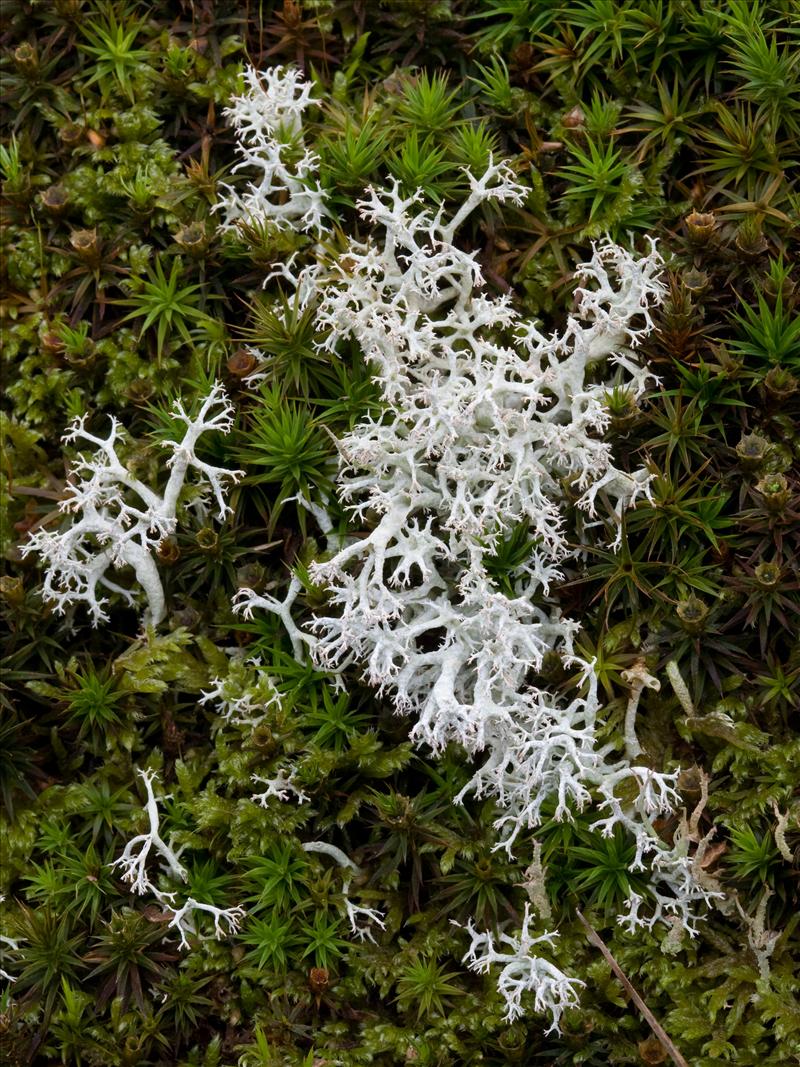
[535, 883]
[133, 863]
[779, 833]
[523, 970]
[120, 521]
[761, 940]
[226, 920]
[361, 919]
[680, 688]
[245, 600]
[268, 119]
[281, 787]
[244, 694]
[325, 848]
[11, 943]
[488, 426]
[638, 678]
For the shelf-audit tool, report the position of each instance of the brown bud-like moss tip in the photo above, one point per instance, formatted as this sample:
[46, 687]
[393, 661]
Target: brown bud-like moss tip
[71, 134]
[263, 739]
[140, 390]
[207, 539]
[751, 450]
[780, 384]
[82, 356]
[696, 281]
[652, 1051]
[68, 9]
[11, 589]
[26, 58]
[52, 343]
[192, 238]
[318, 979]
[168, 551]
[241, 363]
[250, 576]
[774, 488]
[513, 1042]
[693, 614]
[750, 241]
[700, 225]
[768, 575]
[690, 780]
[55, 199]
[187, 616]
[86, 245]
[574, 118]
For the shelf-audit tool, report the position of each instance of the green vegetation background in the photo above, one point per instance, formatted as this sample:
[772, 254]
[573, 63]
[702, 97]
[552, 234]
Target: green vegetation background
[674, 118]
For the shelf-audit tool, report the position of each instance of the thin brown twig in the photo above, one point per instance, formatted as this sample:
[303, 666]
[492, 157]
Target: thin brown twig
[654, 1024]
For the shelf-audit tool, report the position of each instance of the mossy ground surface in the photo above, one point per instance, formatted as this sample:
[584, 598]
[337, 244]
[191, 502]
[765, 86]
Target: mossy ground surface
[670, 118]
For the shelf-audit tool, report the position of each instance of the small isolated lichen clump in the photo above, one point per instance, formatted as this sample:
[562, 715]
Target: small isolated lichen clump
[485, 421]
[268, 119]
[244, 694]
[133, 863]
[121, 521]
[522, 970]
